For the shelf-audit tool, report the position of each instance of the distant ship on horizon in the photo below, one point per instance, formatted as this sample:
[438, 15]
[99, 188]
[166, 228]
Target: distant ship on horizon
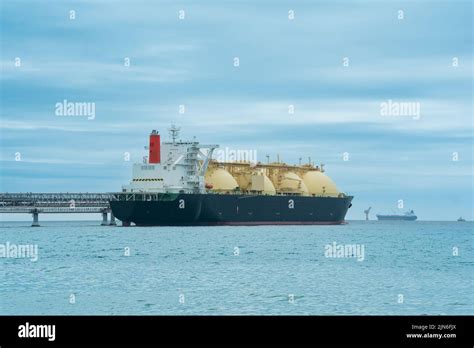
[408, 216]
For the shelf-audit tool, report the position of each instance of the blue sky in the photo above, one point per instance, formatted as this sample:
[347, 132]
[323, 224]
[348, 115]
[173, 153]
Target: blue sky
[282, 62]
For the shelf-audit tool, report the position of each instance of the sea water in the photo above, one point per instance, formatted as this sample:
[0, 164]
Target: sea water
[371, 267]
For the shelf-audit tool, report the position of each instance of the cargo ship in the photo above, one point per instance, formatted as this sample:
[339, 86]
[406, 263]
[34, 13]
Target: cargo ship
[408, 216]
[180, 184]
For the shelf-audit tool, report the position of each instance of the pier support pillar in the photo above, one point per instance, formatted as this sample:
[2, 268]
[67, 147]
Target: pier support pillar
[35, 219]
[112, 220]
[104, 219]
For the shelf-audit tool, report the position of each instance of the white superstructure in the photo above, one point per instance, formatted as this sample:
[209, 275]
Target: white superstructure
[176, 166]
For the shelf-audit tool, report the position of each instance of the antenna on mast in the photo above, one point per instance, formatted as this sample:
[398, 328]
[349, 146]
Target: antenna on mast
[174, 132]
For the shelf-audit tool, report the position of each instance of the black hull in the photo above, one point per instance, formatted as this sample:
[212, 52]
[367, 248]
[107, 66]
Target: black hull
[230, 209]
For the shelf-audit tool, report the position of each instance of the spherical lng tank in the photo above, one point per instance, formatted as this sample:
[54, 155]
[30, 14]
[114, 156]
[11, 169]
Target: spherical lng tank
[220, 180]
[290, 182]
[255, 181]
[319, 184]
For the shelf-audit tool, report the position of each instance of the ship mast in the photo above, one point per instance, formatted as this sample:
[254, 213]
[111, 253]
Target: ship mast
[174, 132]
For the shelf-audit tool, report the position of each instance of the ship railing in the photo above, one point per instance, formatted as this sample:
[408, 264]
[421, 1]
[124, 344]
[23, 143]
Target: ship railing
[142, 196]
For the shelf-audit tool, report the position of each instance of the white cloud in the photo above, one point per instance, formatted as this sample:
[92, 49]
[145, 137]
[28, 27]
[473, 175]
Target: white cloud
[90, 73]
